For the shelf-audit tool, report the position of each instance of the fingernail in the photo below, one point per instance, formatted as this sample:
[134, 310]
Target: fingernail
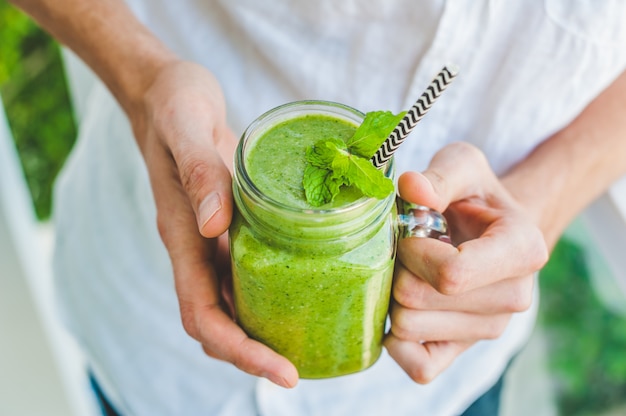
[208, 208]
[280, 381]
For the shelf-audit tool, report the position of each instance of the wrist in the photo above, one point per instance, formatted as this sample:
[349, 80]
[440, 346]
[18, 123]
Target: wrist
[569, 170]
[109, 38]
[538, 200]
[130, 80]
[127, 61]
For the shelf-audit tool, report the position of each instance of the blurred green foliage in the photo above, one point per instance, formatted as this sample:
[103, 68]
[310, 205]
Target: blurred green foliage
[36, 102]
[587, 343]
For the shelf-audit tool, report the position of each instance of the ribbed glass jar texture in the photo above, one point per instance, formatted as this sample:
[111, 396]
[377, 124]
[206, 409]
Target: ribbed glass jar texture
[312, 284]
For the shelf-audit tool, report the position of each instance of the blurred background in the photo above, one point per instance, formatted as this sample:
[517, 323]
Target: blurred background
[575, 363]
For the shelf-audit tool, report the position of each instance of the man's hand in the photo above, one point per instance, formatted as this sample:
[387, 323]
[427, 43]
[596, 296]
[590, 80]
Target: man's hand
[447, 297]
[178, 116]
[188, 149]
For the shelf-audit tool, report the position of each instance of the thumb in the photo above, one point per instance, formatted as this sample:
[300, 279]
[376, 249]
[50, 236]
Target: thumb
[207, 182]
[456, 172]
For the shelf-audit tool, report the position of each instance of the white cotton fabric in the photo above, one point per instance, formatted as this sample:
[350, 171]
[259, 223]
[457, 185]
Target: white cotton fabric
[527, 69]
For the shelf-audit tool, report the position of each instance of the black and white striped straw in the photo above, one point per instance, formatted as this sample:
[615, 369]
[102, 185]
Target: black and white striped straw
[414, 115]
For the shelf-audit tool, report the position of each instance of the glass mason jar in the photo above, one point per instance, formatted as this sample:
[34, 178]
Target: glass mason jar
[312, 284]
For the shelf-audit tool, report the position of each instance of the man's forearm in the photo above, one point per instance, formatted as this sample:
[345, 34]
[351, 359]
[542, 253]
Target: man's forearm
[568, 171]
[108, 37]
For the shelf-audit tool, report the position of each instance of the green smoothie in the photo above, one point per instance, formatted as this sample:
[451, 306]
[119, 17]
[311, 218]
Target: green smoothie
[311, 283]
[276, 163]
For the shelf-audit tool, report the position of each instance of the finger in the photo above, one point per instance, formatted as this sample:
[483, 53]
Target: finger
[205, 318]
[223, 269]
[415, 187]
[198, 288]
[423, 361]
[424, 326]
[191, 125]
[506, 296]
[224, 340]
[207, 182]
[456, 172]
[509, 247]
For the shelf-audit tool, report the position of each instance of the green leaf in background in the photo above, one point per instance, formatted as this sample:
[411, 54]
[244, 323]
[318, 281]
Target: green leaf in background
[36, 101]
[586, 341]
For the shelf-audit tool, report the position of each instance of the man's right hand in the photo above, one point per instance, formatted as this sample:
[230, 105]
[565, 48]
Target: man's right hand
[178, 117]
[188, 149]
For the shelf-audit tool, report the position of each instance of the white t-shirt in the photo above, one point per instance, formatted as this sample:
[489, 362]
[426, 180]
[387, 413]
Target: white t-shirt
[527, 69]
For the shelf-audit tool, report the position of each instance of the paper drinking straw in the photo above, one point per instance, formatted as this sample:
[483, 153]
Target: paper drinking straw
[414, 115]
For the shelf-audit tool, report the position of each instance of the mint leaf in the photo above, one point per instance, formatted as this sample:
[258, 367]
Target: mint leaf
[372, 132]
[321, 183]
[320, 186]
[361, 173]
[322, 153]
[333, 163]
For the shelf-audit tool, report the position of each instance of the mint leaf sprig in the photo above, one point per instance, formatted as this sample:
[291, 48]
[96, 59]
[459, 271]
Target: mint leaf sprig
[333, 163]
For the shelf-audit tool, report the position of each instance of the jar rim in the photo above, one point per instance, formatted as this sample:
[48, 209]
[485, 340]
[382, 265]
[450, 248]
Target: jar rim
[289, 111]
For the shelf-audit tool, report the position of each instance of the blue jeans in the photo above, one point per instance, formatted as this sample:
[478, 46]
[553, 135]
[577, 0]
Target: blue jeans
[489, 403]
[486, 405]
[106, 408]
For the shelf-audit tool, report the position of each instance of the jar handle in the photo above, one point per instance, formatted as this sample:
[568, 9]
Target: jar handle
[419, 221]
